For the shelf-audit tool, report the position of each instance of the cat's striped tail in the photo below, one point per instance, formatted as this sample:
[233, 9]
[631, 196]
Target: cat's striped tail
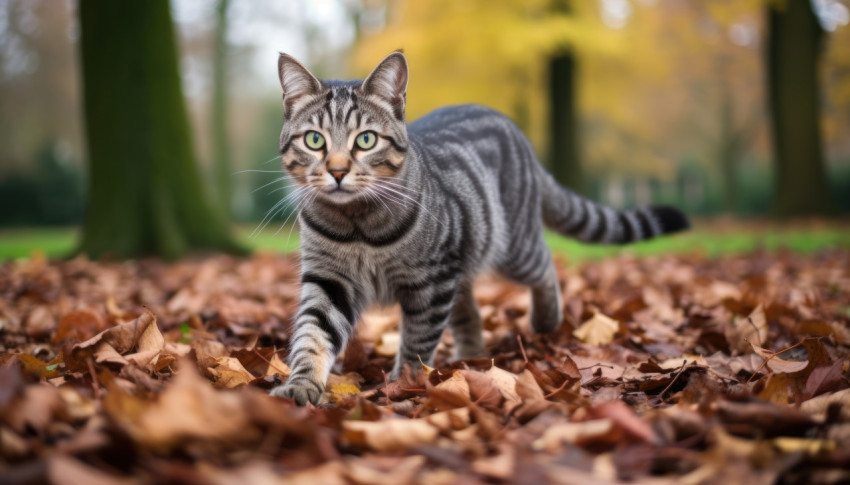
[575, 216]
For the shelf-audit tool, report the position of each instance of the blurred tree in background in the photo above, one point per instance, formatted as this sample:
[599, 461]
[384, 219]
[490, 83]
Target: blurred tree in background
[564, 117]
[794, 48]
[145, 191]
[221, 152]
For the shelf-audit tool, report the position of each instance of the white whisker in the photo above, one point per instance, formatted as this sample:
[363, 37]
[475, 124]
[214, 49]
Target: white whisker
[422, 206]
[274, 210]
[284, 177]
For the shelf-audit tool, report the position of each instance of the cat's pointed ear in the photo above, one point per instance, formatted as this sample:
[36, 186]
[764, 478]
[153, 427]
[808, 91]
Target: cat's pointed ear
[388, 81]
[297, 82]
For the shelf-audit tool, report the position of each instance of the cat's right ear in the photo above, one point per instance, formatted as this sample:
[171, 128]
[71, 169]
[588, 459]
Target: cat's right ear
[297, 82]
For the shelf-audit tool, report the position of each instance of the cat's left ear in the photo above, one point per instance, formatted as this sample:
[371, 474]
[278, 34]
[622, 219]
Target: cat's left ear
[388, 82]
[297, 82]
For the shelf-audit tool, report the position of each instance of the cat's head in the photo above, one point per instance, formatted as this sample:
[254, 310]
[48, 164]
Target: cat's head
[344, 139]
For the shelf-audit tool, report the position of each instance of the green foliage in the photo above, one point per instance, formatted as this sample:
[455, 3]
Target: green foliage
[51, 193]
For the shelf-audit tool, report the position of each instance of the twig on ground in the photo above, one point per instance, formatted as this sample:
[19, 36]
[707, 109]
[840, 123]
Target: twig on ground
[278, 369]
[676, 377]
[522, 348]
[772, 355]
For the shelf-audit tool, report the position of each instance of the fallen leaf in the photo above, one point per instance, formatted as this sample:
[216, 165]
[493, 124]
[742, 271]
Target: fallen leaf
[823, 379]
[389, 435]
[79, 325]
[624, 418]
[342, 391]
[505, 382]
[777, 364]
[578, 433]
[228, 372]
[598, 330]
[39, 368]
[456, 385]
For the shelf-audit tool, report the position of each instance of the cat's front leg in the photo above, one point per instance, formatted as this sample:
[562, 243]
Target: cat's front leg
[425, 314]
[324, 322]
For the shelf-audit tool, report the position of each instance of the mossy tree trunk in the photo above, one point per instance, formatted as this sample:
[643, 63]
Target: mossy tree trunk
[793, 50]
[146, 195]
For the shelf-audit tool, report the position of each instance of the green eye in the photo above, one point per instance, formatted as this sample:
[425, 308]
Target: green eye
[366, 140]
[314, 140]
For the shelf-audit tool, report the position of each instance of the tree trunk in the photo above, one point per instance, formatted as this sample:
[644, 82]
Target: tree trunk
[146, 196]
[220, 136]
[729, 147]
[563, 124]
[794, 48]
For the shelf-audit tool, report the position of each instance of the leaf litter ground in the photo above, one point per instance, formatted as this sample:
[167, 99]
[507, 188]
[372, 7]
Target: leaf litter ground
[665, 370]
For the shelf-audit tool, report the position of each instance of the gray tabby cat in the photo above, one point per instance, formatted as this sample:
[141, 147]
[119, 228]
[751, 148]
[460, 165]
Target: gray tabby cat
[402, 213]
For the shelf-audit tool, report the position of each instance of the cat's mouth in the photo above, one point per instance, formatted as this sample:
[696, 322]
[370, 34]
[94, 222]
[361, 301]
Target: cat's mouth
[339, 195]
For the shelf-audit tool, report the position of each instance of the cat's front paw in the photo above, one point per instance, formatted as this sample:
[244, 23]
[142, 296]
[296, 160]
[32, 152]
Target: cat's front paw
[301, 391]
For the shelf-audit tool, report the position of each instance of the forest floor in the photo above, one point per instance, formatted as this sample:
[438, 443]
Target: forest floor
[667, 369]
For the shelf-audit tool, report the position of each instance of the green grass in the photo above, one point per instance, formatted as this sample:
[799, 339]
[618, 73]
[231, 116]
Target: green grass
[710, 239]
[710, 242]
[55, 242]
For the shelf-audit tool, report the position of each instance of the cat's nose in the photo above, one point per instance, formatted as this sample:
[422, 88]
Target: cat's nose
[338, 174]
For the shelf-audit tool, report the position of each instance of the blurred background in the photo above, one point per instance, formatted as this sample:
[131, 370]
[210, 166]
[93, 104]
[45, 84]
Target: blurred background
[734, 110]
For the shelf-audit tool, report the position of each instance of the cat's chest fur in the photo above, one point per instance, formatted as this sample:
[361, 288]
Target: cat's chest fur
[374, 271]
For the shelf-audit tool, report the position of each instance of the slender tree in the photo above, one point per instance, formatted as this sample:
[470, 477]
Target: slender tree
[564, 160]
[220, 135]
[146, 195]
[564, 121]
[793, 50]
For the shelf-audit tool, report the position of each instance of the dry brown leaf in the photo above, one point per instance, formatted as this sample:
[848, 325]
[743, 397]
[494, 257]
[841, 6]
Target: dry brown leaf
[777, 364]
[555, 436]
[598, 330]
[79, 325]
[457, 385]
[483, 389]
[453, 419]
[341, 391]
[389, 435]
[106, 354]
[277, 367]
[823, 379]
[778, 388]
[625, 419]
[37, 367]
[39, 322]
[816, 407]
[189, 409]
[36, 408]
[748, 331]
[501, 466]
[505, 382]
[207, 350]
[228, 372]
[122, 338]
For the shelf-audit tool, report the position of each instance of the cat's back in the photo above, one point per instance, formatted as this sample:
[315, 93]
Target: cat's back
[459, 120]
[473, 137]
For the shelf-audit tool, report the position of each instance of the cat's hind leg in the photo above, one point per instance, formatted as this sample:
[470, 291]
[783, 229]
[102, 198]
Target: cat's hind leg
[465, 322]
[537, 270]
[546, 306]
